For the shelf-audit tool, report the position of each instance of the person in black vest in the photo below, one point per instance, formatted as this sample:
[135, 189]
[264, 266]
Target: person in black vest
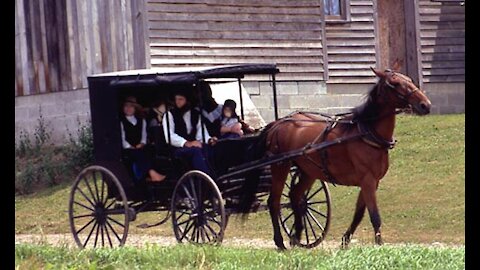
[186, 133]
[134, 138]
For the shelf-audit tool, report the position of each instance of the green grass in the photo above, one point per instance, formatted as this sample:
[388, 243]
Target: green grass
[211, 257]
[421, 199]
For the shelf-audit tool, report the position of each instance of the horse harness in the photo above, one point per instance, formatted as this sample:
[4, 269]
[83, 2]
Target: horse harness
[367, 134]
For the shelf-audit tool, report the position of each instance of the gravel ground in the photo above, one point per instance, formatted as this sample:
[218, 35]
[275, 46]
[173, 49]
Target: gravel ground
[139, 240]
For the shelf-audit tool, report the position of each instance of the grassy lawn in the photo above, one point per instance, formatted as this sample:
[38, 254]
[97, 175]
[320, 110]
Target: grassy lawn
[211, 257]
[421, 199]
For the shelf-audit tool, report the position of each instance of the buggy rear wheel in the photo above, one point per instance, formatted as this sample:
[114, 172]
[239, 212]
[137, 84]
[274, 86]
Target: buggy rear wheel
[198, 212]
[316, 204]
[97, 217]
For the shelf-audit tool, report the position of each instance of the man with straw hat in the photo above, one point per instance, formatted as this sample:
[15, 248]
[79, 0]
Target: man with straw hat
[134, 138]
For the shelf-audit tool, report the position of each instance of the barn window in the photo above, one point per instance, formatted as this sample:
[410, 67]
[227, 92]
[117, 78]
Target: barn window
[337, 10]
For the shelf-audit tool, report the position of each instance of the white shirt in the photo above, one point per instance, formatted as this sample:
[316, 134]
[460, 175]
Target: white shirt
[177, 140]
[132, 119]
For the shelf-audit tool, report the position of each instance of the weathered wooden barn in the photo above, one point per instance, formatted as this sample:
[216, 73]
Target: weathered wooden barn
[324, 48]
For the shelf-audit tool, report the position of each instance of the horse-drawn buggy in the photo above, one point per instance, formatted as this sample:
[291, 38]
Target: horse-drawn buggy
[106, 198]
[272, 168]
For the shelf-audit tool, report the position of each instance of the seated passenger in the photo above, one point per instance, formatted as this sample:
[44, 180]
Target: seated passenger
[134, 138]
[155, 127]
[186, 134]
[230, 126]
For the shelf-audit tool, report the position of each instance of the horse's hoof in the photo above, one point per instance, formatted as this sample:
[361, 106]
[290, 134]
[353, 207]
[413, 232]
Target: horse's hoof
[294, 242]
[378, 239]
[281, 247]
[346, 238]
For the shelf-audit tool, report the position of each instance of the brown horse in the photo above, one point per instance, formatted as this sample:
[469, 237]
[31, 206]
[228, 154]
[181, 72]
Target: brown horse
[361, 162]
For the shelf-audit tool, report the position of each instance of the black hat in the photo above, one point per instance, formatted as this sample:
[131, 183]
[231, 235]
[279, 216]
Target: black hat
[230, 104]
[183, 92]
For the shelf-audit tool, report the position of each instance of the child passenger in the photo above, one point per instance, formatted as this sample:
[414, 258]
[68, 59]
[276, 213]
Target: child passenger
[229, 121]
[134, 138]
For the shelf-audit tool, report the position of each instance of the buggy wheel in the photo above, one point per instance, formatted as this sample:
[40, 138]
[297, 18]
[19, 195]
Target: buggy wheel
[198, 213]
[316, 220]
[97, 218]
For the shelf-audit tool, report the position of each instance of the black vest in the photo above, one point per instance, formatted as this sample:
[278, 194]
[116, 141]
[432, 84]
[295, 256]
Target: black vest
[181, 127]
[133, 133]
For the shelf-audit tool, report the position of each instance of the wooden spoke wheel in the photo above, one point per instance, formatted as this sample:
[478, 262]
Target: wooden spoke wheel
[316, 204]
[198, 213]
[97, 219]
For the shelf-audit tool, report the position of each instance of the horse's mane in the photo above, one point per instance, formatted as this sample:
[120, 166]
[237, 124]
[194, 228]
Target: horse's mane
[369, 109]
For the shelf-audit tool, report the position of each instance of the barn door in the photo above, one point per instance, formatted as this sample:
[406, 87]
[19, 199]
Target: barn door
[398, 35]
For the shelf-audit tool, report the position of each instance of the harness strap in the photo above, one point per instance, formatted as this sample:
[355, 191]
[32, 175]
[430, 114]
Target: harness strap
[323, 152]
[372, 138]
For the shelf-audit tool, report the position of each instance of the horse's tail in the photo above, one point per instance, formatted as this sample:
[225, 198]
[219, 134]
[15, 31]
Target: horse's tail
[256, 150]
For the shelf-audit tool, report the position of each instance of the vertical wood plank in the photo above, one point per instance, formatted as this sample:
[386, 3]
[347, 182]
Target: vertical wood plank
[137, 34]
[36, 46]
[112, 31]
[87, 22]
[29, 52]
[64, 49]
[146, 33]
[46, 68]
[120, 38]
[72, 40]
[324, 42]
[18, 54]
[96, 52]
[82, 41]
[104, 21]
[52, 43]
[129, 35]
[376, 34]
[23, 46]
[412, 36]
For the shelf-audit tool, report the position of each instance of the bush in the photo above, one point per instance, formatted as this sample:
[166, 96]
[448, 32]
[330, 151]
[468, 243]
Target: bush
[42, 164]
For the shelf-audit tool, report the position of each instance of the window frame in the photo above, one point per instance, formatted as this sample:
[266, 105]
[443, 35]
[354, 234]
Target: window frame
[344, 16]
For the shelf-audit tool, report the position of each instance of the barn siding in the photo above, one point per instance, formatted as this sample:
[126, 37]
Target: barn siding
[58, 43]
[442, 37]
[206, 32]
[351, 45]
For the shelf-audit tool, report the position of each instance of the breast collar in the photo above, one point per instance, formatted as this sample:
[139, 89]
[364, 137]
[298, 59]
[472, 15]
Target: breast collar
[371, 137]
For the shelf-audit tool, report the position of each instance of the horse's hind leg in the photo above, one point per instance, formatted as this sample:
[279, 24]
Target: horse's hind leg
[279, 176]
[370, 198]
[299, 207]
[357, 218]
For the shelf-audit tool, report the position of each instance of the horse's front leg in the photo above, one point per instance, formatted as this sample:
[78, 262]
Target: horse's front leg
[357, 218]
[279, 176]
[369, 196]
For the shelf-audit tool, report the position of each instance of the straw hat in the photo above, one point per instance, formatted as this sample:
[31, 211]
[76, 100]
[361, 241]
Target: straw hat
[133, 101]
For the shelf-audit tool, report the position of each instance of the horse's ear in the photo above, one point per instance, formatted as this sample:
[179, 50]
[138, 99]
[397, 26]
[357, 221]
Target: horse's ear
[380, 74]
[397, 65]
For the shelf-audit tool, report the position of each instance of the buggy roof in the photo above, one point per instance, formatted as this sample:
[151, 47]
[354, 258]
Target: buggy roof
[185, 74]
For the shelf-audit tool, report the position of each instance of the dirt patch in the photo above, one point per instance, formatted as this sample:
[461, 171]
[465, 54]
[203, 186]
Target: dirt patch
[139, 240]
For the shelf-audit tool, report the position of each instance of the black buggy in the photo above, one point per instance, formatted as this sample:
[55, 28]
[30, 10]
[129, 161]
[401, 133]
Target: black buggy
[104, 199]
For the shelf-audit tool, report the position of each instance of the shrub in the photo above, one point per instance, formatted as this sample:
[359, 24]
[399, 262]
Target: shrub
[24, 144]
[42, 164]
[79, 150]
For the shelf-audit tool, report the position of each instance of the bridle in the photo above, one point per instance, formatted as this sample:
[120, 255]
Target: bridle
[403, 97]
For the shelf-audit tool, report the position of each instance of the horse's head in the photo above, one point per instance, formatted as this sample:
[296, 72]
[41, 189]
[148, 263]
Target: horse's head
[400, 90]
